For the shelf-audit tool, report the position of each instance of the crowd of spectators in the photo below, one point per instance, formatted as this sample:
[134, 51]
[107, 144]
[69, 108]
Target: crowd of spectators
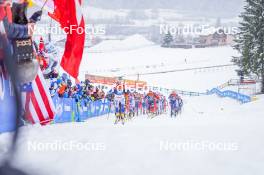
[63, 87]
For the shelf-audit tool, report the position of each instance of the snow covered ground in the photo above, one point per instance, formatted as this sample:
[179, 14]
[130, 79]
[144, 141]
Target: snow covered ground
[220, 137]
[212, 135]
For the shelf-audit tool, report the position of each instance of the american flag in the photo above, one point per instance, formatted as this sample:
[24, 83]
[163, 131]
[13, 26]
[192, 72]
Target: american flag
[27, 87]
[37, 102]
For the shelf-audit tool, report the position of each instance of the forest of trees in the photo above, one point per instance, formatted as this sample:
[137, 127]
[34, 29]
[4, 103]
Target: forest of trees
[250, 40]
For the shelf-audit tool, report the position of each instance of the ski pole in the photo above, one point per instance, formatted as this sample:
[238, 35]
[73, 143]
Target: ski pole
[109, 109]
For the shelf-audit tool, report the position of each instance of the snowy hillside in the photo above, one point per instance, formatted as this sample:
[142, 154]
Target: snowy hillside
[137, 55]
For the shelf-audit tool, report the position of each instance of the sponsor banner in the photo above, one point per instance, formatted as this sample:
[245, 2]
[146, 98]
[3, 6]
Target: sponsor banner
[231, 94]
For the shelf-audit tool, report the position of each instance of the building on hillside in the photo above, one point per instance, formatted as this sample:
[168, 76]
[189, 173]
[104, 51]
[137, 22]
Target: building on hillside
[219, 38]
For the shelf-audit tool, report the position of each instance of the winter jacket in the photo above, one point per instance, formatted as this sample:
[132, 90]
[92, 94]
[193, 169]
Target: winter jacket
[15, 31]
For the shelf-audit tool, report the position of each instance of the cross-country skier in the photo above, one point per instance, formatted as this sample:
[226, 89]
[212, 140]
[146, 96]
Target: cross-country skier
[132, 104]
[119, 102]
[175, 103]
[151, 99]
[138, 104]
[162, 104]
[144, 104]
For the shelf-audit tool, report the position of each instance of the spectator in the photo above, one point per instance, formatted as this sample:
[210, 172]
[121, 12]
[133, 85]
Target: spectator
[17, 28]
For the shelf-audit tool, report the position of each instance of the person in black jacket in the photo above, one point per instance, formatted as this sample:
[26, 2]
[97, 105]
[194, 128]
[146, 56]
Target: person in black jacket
[18, 28]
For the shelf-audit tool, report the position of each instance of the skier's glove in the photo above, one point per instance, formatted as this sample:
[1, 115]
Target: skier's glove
[36, 17]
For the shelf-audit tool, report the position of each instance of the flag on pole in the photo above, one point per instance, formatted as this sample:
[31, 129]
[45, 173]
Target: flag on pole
[69, 14]
[49, 5]
[37, 102]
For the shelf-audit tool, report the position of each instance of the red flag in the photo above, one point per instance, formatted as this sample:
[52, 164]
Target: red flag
[68, 14]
